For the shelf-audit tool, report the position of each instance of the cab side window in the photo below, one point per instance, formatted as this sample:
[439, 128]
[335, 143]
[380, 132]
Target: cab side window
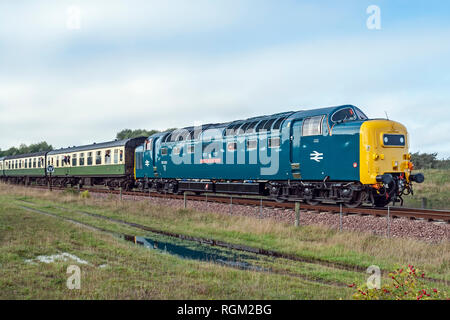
[342, 115]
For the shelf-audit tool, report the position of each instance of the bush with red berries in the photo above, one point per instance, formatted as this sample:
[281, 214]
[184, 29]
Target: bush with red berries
[405, 284]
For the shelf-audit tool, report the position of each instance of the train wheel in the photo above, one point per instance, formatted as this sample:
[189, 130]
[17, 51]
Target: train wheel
[356, 201]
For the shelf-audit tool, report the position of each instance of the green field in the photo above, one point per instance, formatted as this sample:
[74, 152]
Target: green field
[435, 188]
[122, 270]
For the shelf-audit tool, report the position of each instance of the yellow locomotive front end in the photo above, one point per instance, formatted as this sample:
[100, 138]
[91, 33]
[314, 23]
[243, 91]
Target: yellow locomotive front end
[385, 162]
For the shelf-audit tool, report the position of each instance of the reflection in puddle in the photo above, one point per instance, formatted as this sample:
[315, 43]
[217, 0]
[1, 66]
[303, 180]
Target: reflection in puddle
[197, 251]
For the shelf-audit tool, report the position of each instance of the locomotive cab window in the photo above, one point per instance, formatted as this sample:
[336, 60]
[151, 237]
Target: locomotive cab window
[312, 126]
[342, 115]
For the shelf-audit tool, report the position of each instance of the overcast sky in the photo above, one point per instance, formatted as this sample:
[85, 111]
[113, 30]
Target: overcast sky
[74, 79]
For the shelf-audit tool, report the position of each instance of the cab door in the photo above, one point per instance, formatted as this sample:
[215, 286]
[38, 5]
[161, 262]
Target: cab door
[313, 149]
[295, 158]
[148, 160]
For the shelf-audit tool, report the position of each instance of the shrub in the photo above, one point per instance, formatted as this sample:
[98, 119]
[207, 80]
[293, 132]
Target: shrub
[405, 284]
[85, 194]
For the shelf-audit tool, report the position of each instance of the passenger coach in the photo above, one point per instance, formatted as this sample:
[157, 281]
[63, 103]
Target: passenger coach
[108, 163]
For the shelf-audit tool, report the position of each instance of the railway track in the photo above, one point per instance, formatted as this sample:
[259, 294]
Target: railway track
[393, 212]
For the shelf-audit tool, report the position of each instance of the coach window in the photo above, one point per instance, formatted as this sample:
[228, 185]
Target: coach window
[98, 157]
[81, 161]
[108, 157]
[74, 160]
[26, 164]
[312, 126]
[39, 162]
[116, 156]
[121, 156]
[34, 163]
[20, 164]
[89, 158]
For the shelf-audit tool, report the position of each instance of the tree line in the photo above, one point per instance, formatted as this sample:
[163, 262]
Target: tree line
[429, 161]
[23, 148]
[44, 146]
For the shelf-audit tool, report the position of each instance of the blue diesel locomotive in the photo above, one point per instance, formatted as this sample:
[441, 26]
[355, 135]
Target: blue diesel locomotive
[331, 154]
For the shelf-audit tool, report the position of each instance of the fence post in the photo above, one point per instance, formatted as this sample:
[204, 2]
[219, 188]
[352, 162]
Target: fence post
[260, 208]
[389, 222]
[184, 193]
[297, 214]
[340, 217]
[231, 205]
[424, 203]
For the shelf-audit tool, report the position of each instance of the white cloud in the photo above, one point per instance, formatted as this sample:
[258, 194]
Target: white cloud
[44, 95]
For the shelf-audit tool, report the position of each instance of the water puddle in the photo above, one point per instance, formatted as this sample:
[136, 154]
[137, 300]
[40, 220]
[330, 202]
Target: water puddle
[196, 251]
